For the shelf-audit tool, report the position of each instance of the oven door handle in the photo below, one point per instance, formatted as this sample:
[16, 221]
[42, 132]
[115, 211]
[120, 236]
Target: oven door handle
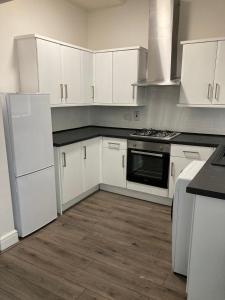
[147, 153]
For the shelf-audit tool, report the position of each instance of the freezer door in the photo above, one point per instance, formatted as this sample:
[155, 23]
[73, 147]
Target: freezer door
[36, 201]
[30, 131]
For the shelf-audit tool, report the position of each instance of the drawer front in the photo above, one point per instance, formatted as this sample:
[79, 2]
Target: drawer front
[192, 152]
[113, 143]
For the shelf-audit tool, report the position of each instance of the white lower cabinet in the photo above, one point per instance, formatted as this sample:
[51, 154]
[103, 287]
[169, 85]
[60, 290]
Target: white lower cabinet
[71, 172]
[91, 151]
[78, 170]
[114, 162]
[181, 157]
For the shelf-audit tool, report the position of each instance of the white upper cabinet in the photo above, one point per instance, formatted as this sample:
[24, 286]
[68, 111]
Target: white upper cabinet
[71, 74]
[74, 76]
[49, 70]
[103, 67]
[87, 88]
[125, 73]
[115, 73]
[198, 71]
[219, 82]
[203, 75]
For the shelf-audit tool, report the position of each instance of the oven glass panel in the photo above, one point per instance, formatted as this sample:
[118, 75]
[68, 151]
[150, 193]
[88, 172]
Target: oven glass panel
[148, 168]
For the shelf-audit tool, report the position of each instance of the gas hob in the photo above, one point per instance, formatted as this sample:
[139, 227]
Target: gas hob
[155, 134]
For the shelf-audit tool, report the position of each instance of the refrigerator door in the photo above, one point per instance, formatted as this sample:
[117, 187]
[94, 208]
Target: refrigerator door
[30, 130]
[36, 201]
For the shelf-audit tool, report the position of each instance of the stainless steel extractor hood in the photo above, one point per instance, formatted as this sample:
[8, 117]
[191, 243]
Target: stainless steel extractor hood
[163, 42]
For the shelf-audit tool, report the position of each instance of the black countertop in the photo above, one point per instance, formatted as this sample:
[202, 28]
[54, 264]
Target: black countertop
[210, 181]
[66, 137]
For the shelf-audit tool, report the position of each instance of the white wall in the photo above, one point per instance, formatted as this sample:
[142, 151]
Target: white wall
[162, 113]
[71, 117]
[198, 19]
[119, 26]
[58, 19]
[6, 214]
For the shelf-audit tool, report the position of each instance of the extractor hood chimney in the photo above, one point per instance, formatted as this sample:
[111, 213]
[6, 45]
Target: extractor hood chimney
[163, 42]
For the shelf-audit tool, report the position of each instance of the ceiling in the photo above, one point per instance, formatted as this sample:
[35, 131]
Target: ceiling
[96, 4]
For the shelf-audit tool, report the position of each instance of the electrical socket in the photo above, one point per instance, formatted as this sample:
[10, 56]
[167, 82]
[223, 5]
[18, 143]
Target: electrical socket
[137, 115]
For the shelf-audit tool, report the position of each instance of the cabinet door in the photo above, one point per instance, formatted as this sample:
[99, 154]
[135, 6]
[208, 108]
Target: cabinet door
[71, 72]
[103, 77]
[49, 68]
[87, 77]
[177, 165]
[91, 151]
[125, 73]
[114, 163]
[72, 172]
[198, 71]
[219, 83]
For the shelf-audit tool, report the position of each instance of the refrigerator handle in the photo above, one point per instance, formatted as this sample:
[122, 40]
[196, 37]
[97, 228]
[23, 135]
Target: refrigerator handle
[64, 159]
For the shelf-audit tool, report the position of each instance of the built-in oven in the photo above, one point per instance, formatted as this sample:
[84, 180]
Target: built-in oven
[148, 163]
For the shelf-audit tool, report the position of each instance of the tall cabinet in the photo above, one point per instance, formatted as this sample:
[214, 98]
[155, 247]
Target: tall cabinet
[203, 73]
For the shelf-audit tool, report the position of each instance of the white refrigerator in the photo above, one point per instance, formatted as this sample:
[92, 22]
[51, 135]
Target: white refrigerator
[28, 132]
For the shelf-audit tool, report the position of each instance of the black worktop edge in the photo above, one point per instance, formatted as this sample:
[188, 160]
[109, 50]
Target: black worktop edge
[206, 193]
[99, 134]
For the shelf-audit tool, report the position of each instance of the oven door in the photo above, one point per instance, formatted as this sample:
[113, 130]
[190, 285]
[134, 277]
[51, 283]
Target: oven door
[151, 168]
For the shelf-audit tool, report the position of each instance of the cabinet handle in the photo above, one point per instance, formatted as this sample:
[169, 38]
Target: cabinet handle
[147, 153]
[85, 152]
[64, 159]
[61, 89]
[188, 153]
[133, 92]
[172, 173]
[114, 146]
[217, 92]
[66, 91]
[209, 93]
[123, 161]
[93, 92]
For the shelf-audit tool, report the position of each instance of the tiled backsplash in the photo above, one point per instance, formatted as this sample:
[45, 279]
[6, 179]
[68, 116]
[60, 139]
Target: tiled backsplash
[161, 112]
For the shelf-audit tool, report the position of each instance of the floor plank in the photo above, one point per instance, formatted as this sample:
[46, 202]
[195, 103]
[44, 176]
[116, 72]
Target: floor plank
[107, 247]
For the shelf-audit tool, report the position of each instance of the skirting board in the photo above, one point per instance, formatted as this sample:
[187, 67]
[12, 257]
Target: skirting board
[136, 194]
[79, 198]
[8, 240]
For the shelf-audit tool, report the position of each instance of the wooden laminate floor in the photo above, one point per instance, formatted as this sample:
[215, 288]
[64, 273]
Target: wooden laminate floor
[107, 247]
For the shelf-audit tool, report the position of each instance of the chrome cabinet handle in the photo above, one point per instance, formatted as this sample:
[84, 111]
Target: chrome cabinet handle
[93, 92]
[133, 92]
[188, 153]
[64, 159]
[61, 89]
[114, 146]
[123, 161]
[66, 91]
[172, 173]
[147, 153]
[209, 93]
[217, 92]
[85, 152]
